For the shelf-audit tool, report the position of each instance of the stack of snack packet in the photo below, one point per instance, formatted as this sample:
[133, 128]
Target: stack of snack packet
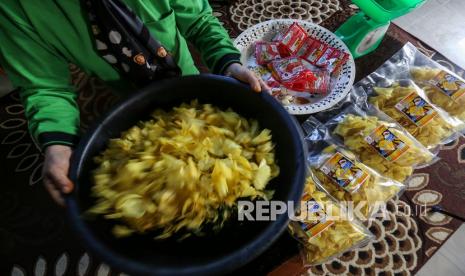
[298, 61]
[443, 88]
[419, 85]
[323, 228]
[363, 150]
[377, 141]
[408, 105]
[339, 173]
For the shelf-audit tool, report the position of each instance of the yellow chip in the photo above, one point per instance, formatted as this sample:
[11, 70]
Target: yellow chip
[355, 129]
[373, 191]
[176, 171]
[426, 123]
[424, 77]
[341, 235]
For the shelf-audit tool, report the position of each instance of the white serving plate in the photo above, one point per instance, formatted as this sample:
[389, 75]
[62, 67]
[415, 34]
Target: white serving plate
[265, 31]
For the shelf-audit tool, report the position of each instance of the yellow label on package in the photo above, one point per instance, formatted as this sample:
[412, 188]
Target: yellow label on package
[343, 171]
[450, 85]
[386, 143]
[315, 218]
[416, 109]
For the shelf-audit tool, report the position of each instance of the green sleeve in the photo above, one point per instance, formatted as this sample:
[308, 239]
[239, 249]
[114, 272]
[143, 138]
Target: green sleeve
[199, 26]
[43, 77]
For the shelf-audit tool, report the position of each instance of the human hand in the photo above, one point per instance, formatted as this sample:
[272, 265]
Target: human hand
[241, 73]
[55, 172]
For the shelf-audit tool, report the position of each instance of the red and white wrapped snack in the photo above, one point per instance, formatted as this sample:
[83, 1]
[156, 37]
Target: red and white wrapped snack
[272, 82]
[322, 83]
[322, 55]
[326, 57]
[314, 52]
[307, 44]
[266, 52]
[338, 59]
[293, 74]
[292, 40]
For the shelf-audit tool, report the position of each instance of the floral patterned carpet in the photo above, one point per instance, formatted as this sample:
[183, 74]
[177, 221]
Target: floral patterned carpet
[35, 239]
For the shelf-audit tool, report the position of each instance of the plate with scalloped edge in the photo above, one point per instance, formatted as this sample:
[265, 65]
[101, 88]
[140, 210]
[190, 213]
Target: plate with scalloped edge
[341, 84]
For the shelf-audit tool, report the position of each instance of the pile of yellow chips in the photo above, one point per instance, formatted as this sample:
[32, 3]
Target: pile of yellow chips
[430, 135]
[340, 236]
[372, 192]
[181, 170]
[353, 129]
[423, 76]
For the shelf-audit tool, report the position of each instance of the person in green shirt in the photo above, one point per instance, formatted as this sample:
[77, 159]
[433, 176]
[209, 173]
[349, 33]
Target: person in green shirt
[39, 39]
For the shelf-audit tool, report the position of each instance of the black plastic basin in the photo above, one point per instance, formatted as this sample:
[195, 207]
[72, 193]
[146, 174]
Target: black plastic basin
[236, 244]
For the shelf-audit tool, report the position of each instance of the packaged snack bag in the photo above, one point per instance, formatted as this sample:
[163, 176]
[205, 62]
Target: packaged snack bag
[407, 104]
[338, 59]
[323, 229]
[293, 74]
[272, 82]
[266, 52]
[322, 83]
[340, 174]
[322, 55]
[292, 40]
[308, 43]
[377, 141]
[314, 52]
[325, 58]
[443, 88]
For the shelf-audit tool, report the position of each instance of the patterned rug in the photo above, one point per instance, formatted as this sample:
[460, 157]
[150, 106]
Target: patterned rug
[35, 239]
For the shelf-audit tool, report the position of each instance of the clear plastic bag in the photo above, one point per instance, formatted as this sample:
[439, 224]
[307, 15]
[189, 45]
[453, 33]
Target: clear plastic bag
[325, 233]
[407, 104]
[339, 173]
[442, 87]
[377, 141]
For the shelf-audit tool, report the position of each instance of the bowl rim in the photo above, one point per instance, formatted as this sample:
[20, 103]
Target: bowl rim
[234, 260]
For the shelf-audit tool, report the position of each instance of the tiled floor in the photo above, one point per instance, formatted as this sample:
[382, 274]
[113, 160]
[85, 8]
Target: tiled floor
[450, 259]
[441, 25]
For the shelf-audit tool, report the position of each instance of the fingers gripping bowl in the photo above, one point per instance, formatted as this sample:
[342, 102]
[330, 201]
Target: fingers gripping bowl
[237, 242]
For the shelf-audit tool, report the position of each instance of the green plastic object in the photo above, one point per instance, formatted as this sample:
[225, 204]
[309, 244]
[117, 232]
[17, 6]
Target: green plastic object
[363, 32]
